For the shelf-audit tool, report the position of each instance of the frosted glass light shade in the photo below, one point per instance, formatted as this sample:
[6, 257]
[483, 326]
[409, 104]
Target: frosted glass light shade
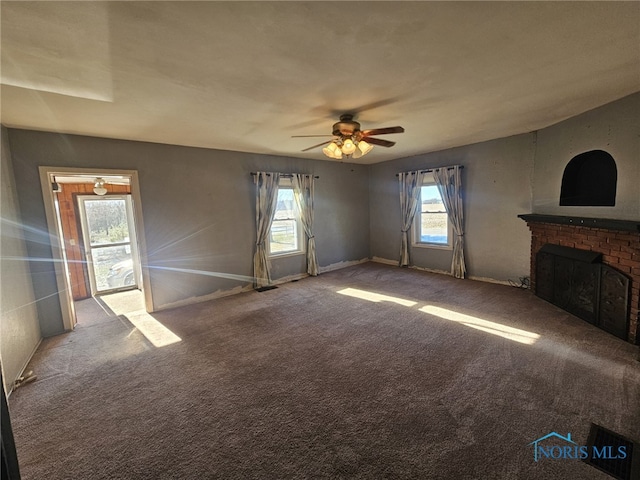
[332, 150]
[348, 147]
[364, 147]
[98, 187]
[362, 150]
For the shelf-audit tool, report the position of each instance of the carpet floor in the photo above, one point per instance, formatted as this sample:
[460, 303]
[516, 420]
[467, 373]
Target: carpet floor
[369, 372]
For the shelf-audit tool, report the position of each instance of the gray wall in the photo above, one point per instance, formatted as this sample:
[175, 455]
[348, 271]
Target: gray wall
[198, 208]
[497, 183]
[614, 128]
[509, 176]
[19, 327]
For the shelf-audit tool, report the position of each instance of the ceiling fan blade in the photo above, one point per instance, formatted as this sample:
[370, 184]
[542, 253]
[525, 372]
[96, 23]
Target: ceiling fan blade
[379, 141]
[316, 146]
[356, 110]
[383, 131]
[306, 136]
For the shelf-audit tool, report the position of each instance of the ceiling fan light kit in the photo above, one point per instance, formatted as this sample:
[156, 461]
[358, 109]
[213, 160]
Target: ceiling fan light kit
[350, 141]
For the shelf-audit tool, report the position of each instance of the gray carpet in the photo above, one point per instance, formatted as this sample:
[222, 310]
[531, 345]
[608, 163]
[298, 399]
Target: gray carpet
[306, 382]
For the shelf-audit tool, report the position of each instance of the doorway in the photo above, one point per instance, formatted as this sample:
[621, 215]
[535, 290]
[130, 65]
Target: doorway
[95, 225]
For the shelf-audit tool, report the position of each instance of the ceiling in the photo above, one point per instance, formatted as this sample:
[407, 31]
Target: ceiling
[246, 76]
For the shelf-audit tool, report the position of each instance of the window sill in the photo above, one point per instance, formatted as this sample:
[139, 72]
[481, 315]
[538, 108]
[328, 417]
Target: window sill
[435, 246]
[286, 254]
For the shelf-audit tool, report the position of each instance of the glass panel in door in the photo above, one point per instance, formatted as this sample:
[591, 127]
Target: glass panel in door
[109, 239]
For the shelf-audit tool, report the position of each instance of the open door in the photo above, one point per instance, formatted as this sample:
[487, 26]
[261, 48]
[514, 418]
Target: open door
[110, 242]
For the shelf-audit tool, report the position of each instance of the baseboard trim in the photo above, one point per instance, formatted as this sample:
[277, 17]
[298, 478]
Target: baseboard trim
[384, 261]
[289, 278]
[341, 265]
[431, 270]
[205, 298]
[490, 280]
[225, 293]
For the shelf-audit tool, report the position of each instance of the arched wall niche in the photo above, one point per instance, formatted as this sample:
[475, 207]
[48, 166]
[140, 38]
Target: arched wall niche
[590, 179]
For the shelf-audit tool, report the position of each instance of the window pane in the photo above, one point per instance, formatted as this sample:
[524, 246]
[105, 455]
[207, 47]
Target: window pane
[113, 267]
[284, 236]
[107, 221]
[284, 208]
[434, 227]
[431, 200]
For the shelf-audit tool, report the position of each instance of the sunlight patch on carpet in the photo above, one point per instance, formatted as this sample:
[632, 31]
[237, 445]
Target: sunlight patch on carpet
[375, 297]
[153, 330]
[510, 333]
[130, 305]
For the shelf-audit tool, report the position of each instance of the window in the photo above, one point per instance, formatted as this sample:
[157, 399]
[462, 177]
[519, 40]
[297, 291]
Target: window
[431, 225]
[286, 236]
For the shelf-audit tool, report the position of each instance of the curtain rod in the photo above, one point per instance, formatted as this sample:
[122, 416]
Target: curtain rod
[285, 174]
[436, 168]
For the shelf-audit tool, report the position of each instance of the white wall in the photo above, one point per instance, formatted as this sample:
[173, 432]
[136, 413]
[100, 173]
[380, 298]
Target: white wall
[19, 328]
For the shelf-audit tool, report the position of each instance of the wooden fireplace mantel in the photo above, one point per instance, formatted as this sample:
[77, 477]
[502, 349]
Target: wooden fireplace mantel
[602, 223]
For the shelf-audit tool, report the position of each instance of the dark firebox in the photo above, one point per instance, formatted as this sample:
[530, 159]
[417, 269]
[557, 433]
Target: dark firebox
[578, 282]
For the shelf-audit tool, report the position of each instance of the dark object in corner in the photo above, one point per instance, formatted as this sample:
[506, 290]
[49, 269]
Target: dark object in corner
[524, 283]
[10, 468]
[264, 289]
[25, 378]
[611, 443]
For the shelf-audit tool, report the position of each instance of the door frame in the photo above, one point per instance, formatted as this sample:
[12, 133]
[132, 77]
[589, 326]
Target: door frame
[47, 175]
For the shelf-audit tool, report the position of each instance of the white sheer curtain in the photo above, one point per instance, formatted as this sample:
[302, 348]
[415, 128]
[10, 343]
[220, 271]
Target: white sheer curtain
[449, 182]
[303, 195]
[266, 201]
[410, 184]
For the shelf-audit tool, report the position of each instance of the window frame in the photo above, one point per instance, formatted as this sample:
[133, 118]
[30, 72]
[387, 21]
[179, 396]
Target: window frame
[428, 181]
[287, 184]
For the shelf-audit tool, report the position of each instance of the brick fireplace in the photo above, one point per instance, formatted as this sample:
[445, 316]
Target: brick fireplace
[617, 240]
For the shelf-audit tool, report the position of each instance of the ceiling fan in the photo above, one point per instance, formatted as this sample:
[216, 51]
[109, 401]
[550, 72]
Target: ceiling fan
[349, 140]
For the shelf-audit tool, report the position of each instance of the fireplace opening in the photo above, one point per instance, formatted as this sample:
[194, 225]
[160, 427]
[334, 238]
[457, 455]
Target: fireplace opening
[577, 281]
[590, 179]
